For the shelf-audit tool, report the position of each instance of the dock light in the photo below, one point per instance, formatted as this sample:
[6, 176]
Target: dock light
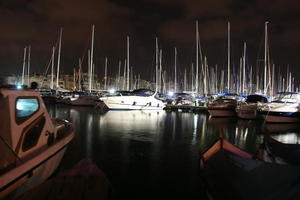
[112, 91]
[19, 86]
[170, 94]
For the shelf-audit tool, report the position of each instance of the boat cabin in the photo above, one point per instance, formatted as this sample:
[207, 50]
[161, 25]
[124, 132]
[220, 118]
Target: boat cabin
[25, 125]
[287, 97]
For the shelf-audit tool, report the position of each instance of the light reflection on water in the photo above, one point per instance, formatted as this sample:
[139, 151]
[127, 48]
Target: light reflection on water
[150, 153]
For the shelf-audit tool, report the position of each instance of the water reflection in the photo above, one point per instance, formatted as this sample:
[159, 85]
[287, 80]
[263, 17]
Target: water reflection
[285, 133]
[142, 150]
[137, 125]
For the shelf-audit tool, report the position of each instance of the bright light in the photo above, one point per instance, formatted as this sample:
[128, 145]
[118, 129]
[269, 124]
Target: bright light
[112, 91]
[170, 93]
[19, 86]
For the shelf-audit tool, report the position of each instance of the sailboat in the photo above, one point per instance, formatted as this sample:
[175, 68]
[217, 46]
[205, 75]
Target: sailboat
[248, 108]
[224, 106]
[83, 98]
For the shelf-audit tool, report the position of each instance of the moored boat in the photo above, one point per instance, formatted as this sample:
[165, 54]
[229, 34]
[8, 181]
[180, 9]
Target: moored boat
[229, 172]
[141, 99]
[31, 143]
[248, 109]
[284, 109]
[223, 106]
[80, 98]
[290, 153]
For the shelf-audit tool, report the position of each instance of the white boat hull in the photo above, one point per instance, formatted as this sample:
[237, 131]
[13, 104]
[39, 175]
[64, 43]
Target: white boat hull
[31, 173]
[35, 176]
[133, 103]
[281, 112]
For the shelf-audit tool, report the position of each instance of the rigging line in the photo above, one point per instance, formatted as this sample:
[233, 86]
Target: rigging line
[83, 56]
[48, 65]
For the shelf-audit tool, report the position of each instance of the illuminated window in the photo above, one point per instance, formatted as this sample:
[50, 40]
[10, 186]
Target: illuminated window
[25, 107]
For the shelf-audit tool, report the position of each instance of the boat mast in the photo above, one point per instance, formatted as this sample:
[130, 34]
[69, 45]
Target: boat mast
[192, 76]
[290, 82]
[79, 75]
[185, 83]
[28, 66]
[222, 86]
[240, 76]
[216, 78]
[228, 58]
[197, 59]
[265, 58]
[160, 70]
[251, 79]
[105, 74]
[205, 75]
[91, 59]
[156, 64]
[244, 70]
[74, 78]
[24, 65]
[58, 59]
[124, 75]
[89, 68]
[119, 75]
[128, 66]
[52, 69]
[273, 79]
[175, 72]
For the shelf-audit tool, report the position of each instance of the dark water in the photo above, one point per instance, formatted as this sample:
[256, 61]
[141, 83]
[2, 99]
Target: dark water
[155, 155]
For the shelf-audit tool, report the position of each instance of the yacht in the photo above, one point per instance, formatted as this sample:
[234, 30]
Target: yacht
[284, 109]
[82, 98]
[223, 106]
[140, 99]
[248, 109]
[31, 143]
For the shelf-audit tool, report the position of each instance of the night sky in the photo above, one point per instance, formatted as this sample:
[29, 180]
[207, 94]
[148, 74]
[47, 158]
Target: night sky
[37, 23]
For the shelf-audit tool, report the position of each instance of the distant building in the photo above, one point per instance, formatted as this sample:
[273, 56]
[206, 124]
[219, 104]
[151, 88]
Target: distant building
[71, 82]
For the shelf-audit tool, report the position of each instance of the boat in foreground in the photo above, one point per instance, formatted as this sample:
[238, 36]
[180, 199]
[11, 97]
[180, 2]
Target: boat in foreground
[228, 172]
[31, 143]
[141, 99]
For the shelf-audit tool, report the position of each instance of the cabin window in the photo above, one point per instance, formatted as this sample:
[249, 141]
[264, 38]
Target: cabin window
[25, 107]
[33, 134]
